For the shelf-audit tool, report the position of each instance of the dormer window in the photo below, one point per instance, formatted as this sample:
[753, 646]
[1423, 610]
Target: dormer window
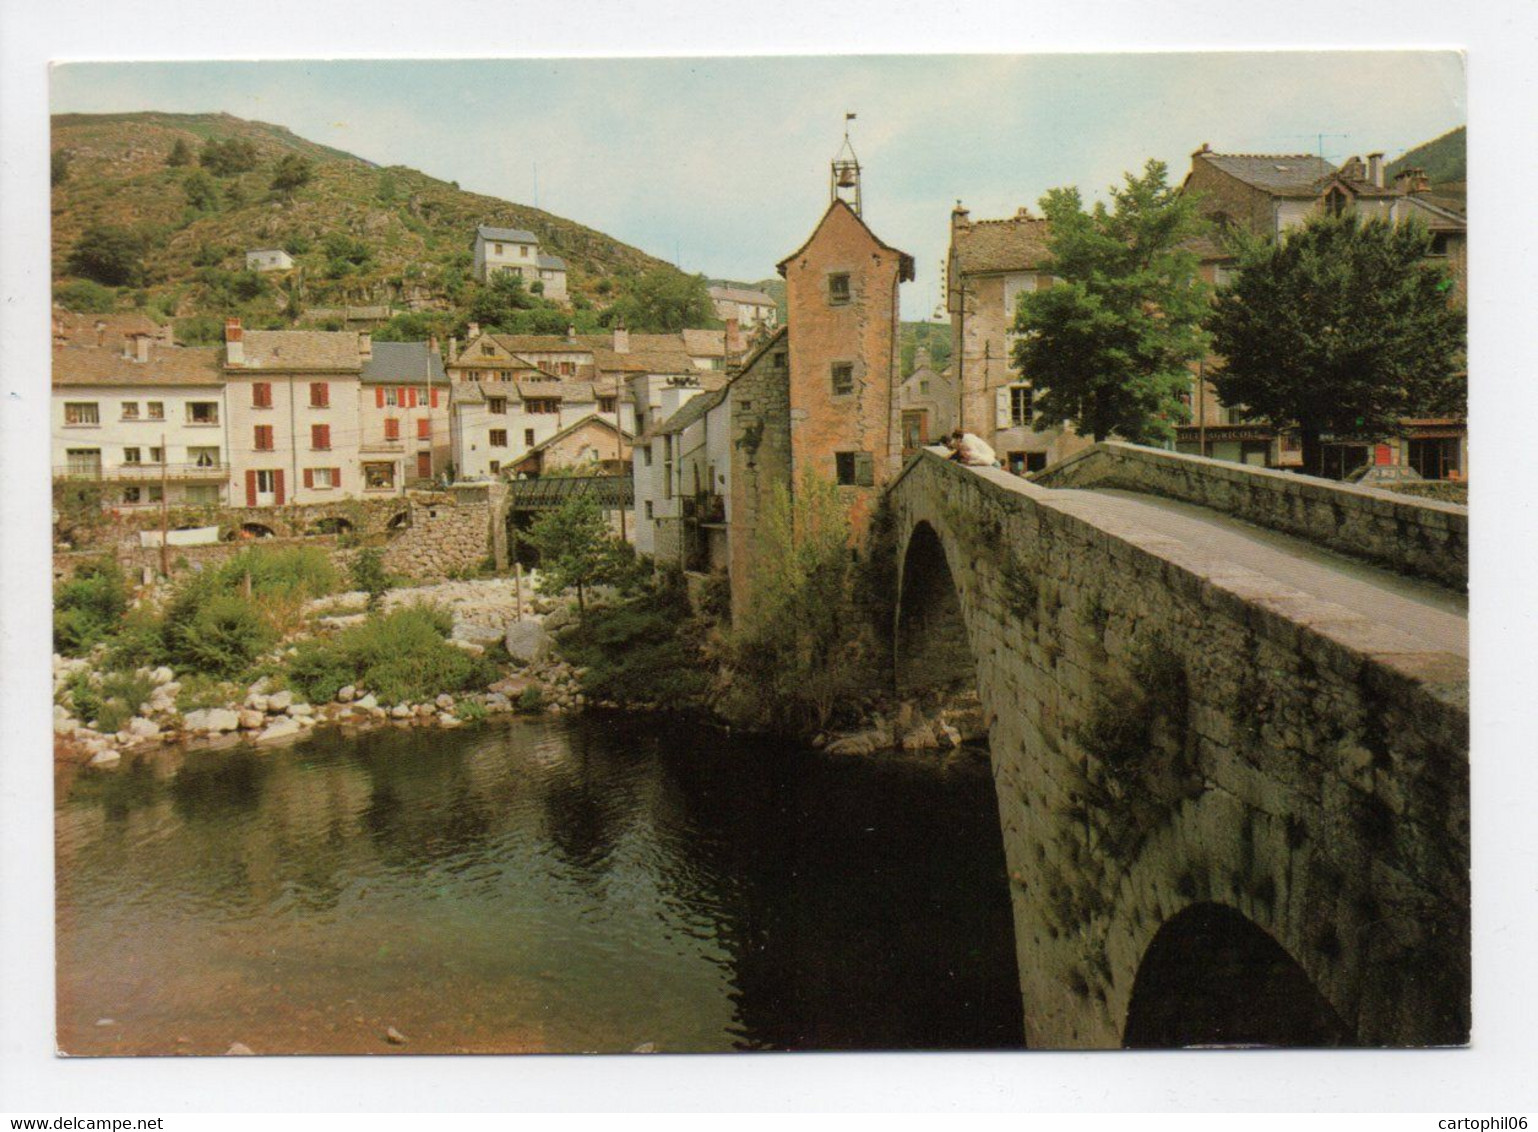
[487, 349]
[1336, 202]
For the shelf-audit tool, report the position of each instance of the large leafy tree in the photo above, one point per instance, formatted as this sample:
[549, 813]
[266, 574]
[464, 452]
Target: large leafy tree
[1340, 327]
[576, 548]
[110, 255]
[665, 300]
[1108, 347]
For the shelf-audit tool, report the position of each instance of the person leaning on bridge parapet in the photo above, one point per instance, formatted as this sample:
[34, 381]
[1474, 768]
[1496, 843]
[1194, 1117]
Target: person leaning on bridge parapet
[970, 449]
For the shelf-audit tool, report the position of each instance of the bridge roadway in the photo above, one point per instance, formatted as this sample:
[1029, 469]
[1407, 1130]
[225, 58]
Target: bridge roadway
[1431, 614]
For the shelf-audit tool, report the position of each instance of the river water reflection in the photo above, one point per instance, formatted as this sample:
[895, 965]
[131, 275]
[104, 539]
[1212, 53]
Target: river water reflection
[541, 886]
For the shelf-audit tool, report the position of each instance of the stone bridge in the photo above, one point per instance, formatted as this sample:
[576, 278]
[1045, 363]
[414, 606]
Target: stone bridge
[1231, 763]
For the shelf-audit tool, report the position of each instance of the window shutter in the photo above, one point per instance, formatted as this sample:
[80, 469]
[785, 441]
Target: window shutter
[379, 397]
[392, 428]
[321, 437]
[277, 487]
[261, 395]
[1001, 407]
[433, 395]
[309, 477]
[424, 429]
[411, 398]
[336, 477]
[864, 469]
[251, 487]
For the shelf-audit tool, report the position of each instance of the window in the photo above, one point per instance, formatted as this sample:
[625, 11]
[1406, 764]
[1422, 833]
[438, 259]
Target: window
[261, 395]
[495, 466]
[496, 405]
[320, 395]
[843, 378]
[566, 369]
[1035, 461]
[156, 493]
[131, 456]
[203, 457]
[266, 482]
[523, 250]
[203, 494]
[157, 455]
[854, 469]
[422, 396]
[1335, 202]
[83, 461]
[320, 437]
[499, 438]
[379, 476]
[1019, 406]
[498, 248]
[646, 456]
[155, 410]
[392, 396]
[781, 359]
[81, 413]
[838, 289]
[606, 404]
[392, 428]
[667, 467]
[488, 350]
[320, 477]
[542, 405]
[648, 502]
[130, 495]
[1438, 244]
[202, 412]
[263, 439]
[424, 429]
[130, 410]
[528, 438]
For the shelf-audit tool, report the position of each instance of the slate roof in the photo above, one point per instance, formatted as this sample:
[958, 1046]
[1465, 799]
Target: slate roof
[741, 295]
[1441, 213]
[167, 365]
[1280, 174]
[403, 362]
[293, 350]
[905, 261]
[705, 343]
[551, 262]
[1016, 244]
[692, 410]
[78, 329]
[506, 235]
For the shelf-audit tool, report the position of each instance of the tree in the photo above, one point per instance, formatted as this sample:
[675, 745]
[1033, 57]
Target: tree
[498, 301]
[1108, 347]
[292, 172]
[1339, 327]
[665, 300]
[110, 255]
[202, 192]
[576, 548]
[58, 167]
[226, 158]
[181, 154]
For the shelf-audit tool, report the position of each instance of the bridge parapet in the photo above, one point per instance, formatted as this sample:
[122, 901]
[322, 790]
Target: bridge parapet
[1171, 733]
[1423, 537]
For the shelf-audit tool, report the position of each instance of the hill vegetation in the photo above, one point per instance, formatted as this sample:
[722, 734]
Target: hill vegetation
[156, 211]
[1445, 160]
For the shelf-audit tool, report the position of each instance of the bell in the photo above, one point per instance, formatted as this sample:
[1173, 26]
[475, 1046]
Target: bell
[846, 178]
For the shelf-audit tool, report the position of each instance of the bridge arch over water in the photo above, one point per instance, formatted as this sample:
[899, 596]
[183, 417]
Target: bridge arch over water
[1200, 763]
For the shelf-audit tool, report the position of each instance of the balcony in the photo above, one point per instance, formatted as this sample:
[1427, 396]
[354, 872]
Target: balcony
[144, 473]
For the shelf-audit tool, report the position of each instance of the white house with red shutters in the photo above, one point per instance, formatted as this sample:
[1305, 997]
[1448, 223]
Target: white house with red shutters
[403, 416]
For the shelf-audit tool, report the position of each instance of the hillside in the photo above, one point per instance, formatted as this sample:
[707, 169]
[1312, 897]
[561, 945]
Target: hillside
[1445, 160]
[359, 233]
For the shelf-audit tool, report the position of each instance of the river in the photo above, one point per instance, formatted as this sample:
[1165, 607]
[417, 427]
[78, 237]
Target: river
[598, 883]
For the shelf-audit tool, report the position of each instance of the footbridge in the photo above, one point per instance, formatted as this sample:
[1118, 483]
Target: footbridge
[1228, 723]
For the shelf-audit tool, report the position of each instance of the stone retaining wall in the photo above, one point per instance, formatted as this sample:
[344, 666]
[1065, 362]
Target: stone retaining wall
[1423, 537]
[1170, 731]
[449, 531]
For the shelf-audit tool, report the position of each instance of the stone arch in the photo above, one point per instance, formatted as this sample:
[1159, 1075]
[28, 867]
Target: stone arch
[332, 525]
[256, 530]
[932, 653]
[399, 521]
[1211, 976]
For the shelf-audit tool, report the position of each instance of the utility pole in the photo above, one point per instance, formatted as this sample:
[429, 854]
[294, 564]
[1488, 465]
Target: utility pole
[165, 515]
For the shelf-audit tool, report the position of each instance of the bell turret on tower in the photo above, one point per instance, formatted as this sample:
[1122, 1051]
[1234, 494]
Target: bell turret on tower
[844, 175]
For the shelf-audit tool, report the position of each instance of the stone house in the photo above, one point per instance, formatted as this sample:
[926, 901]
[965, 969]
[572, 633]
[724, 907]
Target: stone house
[294, 426]
[749, 308]
[500, 250]
[403, 415]
[927, 398]
[144, 419]
[990, 263]
[593, 444]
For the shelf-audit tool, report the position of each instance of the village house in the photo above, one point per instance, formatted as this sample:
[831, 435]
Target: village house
[749, 308]
[927, 398]
[1268, 194]
[499, 250]
[403, 416]
[143, 418]
[293, 399]
[269, 259]
[989, 265]
[682, 478]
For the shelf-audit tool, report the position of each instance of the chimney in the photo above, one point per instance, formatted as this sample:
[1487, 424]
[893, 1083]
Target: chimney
[473, 332]
[365, 345]
[571, 333]
[101, 332]
[621, 339]
[960, 217]
[1206, 148]
[453, 347]
[1375, 168]
[733, 336]
[432, 343]
[234, 342]
[1022, 213]
[142, 348]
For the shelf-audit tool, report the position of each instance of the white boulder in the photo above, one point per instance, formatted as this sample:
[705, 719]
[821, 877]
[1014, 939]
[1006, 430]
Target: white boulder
[527, 642]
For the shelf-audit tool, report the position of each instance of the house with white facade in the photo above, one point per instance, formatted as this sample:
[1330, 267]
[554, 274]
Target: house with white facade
[749, 307]
[144, 420]
[403, 416]
[269, 259]
[517, 250]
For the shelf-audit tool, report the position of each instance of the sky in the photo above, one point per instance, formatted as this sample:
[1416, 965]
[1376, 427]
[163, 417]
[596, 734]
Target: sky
[721, 164]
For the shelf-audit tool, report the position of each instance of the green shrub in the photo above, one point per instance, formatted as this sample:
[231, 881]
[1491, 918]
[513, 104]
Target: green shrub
[85, 297]
[318, 670]
[368, 575]
[471, 711]
[400, 656]
[111, 702]
[199, 691]
[639, 651]
[221, 636]
[294, 571]
[140, 641]
[89, 607]
[531, 699]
